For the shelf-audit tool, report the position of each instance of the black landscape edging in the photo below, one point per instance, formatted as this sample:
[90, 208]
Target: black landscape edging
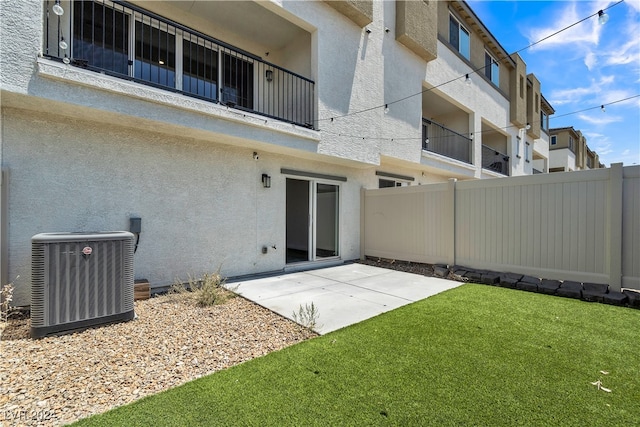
[590, 292]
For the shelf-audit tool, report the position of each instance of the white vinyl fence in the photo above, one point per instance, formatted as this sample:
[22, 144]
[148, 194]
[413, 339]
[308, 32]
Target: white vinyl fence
[582, 225]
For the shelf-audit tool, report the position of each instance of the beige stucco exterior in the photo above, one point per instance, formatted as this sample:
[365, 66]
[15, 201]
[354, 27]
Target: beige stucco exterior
[359, 11]
[416, 27]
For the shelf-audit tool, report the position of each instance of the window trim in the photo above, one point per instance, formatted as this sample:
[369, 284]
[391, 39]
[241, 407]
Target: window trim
[489, 69]
[553, 140]
[461, 28]
[313, 175]
[395, 176]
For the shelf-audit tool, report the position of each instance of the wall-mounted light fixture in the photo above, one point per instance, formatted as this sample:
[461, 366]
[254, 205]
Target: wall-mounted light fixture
[269, 75]
[57, 9]
[528, 126]
[266, 181]
[467, 80]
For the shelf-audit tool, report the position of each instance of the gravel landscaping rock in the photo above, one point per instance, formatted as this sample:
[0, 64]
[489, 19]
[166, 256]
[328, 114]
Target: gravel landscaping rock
[57, 380]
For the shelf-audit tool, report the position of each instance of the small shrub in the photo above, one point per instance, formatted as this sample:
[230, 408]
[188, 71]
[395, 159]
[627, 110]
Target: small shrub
[178, 288]
[211, 291]
[6, 296]
[205, 291]
[307, 316]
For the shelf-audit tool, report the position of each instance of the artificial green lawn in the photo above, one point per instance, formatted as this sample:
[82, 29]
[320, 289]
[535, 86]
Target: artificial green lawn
[475, 355]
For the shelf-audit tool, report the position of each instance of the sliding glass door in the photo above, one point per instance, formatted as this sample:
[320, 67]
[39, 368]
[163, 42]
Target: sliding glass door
[313, 218]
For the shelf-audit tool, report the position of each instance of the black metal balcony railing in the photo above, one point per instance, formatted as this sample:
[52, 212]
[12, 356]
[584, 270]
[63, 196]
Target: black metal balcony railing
[441, 140]
[125, 41]
[494, 160]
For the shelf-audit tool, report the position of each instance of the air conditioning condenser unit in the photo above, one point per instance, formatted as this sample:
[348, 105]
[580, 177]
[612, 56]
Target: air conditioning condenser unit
[79, 280]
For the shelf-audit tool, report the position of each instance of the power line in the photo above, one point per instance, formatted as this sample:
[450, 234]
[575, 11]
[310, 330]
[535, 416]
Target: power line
[473, 71]
[593, 108]
[392, 139]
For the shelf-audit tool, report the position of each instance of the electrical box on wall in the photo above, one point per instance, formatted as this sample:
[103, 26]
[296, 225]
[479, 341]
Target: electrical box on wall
[135, 225]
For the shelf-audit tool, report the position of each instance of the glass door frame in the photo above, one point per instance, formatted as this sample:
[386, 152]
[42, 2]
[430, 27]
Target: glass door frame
[312, 220]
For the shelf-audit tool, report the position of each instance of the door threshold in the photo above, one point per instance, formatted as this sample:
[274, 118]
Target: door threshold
[312, 265]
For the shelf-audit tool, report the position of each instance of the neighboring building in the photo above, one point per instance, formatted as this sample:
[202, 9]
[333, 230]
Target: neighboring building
[242, 132]
[484, 125]
[568, 151]
[541, 145]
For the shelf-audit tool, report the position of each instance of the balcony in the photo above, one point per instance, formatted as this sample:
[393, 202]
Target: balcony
[446, 142]
[128, 42]
[495, 161]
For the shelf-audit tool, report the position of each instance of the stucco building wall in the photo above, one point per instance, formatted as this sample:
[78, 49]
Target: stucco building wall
[201, 202]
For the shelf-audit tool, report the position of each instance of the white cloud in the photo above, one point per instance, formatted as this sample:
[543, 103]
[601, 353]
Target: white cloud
[590, 60]
[600, 143]
[587, 32]
[614, 95]
[624, 49]
[592, 92]
[626, 157]
[598, 118]
[624, 57]
[635, 4]
[567, 96]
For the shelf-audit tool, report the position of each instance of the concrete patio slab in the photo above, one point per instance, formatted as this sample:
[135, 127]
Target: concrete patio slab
[343, 295]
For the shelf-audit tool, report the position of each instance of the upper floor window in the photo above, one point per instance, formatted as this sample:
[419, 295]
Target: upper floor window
[386, 183]
[459, 37]
[522, 87]
[571, 143]
[491, 69]
[554, 140]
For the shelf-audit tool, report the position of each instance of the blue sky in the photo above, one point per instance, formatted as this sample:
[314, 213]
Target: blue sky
[585, 66]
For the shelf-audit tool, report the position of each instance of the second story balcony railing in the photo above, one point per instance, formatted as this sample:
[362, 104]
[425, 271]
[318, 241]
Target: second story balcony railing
[123, 40]
[494, 160]
[441, 140]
